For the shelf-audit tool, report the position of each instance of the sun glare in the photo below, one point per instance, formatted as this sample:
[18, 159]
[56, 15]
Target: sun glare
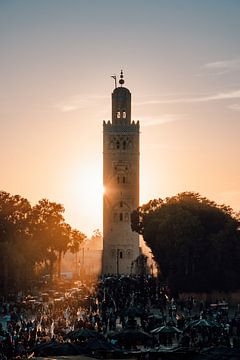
[88, 185]
[85, 194]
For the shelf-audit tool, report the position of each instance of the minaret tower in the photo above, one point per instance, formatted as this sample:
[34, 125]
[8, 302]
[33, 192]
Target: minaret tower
[121, 185]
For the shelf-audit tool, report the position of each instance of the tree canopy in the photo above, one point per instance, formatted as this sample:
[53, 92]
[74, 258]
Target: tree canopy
[195, 242]
[32, 238]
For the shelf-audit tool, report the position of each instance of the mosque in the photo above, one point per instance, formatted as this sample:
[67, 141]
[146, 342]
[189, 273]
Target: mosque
[121, 184]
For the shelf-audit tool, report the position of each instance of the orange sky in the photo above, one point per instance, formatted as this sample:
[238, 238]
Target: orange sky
[181, 62]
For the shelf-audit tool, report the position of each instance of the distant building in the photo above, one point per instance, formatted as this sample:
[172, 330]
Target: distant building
[86, 264]
[121, 184]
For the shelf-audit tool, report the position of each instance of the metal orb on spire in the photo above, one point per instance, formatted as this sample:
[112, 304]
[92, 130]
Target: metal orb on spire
[121, 81]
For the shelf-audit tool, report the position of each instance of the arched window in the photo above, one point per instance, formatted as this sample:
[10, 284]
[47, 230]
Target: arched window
[117, 144]
[124, 145]
[121, 216]
[124, 114]
[121, 179]
[120, 254]
[118, 114]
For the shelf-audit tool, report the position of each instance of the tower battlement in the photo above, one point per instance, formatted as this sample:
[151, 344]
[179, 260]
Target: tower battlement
[122, 126]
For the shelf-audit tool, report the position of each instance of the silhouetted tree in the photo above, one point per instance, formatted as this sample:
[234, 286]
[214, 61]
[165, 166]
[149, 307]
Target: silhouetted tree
[75, 240]
[14, 212]
[195, 241]
[30, 237]
[50, 232]
[96, 240]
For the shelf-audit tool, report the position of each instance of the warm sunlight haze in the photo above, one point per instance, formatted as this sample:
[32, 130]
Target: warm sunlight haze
[181, 62]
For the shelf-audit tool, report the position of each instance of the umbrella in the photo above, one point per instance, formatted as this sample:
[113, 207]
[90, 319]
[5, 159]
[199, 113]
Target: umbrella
[57, 349]
[83, 333]
[131, 335]
[97, 344]
[202, 323]
[166, 330]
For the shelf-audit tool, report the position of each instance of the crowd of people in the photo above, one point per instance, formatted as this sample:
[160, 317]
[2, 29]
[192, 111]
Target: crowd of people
[111, 306]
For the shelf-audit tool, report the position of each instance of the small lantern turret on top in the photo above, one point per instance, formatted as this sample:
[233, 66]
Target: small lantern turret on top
[121, 104]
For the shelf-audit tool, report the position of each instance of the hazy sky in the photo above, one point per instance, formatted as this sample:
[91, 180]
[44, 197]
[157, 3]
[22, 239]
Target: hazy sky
[181, 61]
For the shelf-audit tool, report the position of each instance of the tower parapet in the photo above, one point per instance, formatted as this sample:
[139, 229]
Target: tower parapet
[121, 126]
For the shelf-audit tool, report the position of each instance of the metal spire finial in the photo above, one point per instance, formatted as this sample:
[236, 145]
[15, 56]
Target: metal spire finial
[121, 81]
[115, 80]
